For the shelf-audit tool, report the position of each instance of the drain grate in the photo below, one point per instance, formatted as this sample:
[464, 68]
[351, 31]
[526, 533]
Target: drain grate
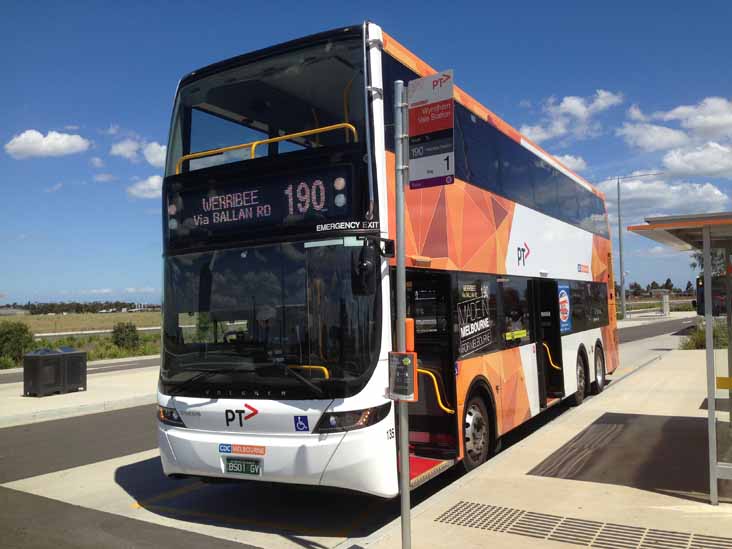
[585, 533]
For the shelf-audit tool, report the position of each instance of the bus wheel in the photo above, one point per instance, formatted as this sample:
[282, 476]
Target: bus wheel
[598, 384]
[577, 398]
[476, 433]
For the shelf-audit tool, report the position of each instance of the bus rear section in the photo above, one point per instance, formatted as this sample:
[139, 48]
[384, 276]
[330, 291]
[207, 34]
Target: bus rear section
[274, 363]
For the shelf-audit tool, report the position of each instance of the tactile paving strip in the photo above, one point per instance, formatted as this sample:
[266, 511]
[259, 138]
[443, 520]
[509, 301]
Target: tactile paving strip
[585, 533]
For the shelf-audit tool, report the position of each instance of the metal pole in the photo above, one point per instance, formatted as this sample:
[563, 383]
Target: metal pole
[400, 106]
[711, 377]
[620, 250]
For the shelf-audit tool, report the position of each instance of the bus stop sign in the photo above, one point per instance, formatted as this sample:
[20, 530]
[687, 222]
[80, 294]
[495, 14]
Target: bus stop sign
[431, 128]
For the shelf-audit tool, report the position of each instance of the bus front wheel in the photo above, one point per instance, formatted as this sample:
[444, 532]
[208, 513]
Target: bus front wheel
[476, 433]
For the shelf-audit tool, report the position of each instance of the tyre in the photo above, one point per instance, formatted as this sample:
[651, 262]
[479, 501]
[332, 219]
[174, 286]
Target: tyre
[598, 382]
[577, 398]
[476, 433]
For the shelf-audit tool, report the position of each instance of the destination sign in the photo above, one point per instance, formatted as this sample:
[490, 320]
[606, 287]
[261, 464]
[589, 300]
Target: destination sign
[310, 197]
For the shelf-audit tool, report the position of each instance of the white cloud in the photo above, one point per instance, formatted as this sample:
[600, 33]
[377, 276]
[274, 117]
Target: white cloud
[32, 143]
[651, 137]
[98, 291]
[130, 149]
[711, 159]
[574, 163]
[647, 197]
[155, 154]
[572, 115]
[145, 290]
[127, 148]
[711, 118]
[71, 127]
[151, 187]
[104, 177]
[634, 113]
[54, 188]
[113, 129]
[96, 162]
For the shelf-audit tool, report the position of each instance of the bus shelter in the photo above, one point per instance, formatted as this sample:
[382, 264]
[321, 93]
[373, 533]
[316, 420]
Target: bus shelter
[712, 235]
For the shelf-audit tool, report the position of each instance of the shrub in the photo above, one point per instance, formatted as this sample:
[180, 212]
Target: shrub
[697, 338]
[6, 362]
[16, 339]
[124, 334]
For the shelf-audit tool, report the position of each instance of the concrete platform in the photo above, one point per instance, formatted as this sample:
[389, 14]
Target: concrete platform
[626, 469]
[105, 391]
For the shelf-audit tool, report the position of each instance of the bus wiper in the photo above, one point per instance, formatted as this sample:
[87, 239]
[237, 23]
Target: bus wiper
[203, 374]
[301, 378]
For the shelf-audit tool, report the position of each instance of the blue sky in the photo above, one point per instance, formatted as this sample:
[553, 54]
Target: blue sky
[621, 88]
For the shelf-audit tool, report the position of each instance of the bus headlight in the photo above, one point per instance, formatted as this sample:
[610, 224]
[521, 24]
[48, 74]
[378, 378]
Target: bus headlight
[170, 416]
[334, 422]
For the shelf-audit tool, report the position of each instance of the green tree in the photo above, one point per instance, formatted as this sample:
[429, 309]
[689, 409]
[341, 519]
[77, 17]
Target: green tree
[16, 339]
[654, 285]
[718, 266]
[124, 334]
[689, 287]
[668, 284]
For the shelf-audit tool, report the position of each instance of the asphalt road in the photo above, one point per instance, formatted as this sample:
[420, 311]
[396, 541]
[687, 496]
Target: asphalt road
[15, 377]
[29, 520]
[626, 335]
[653, 329]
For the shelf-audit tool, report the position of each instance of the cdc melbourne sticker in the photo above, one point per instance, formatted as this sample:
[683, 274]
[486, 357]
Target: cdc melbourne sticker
[565, 309]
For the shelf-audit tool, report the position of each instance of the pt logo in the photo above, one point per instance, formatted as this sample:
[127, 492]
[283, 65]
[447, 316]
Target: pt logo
[243, 415]
[523, 252]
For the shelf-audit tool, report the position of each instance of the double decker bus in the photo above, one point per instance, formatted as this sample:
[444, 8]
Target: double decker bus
[278, 312]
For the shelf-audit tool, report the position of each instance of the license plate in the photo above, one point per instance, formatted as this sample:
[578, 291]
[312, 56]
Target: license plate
[243, 466]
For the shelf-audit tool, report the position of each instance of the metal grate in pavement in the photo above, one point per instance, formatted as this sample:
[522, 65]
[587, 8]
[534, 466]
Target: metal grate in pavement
[585, 533]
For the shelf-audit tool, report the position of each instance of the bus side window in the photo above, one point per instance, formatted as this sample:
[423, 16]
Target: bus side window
[515, 311]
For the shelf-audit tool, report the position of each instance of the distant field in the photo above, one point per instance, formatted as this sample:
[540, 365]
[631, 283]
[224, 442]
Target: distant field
[40, 324]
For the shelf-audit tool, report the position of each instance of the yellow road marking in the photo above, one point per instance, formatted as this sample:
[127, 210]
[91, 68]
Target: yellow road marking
[170, 494]
[305, 530]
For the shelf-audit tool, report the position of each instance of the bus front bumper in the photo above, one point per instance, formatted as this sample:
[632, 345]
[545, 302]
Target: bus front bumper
[362, 460]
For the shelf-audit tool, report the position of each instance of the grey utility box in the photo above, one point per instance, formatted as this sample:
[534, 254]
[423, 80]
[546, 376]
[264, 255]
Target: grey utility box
[51, 371]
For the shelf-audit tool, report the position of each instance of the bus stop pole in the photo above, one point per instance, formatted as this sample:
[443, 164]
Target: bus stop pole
[400, 105]
[711, 375]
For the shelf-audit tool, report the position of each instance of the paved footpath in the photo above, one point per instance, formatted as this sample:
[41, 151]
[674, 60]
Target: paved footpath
[625, 469]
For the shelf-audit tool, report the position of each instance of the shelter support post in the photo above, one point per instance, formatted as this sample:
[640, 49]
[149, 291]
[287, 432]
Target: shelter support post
[711, 376]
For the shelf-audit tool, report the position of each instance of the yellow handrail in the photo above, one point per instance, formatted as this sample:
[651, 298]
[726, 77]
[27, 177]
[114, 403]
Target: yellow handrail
[254, 144]
[549, 354]
[326, 372]
[437, 390]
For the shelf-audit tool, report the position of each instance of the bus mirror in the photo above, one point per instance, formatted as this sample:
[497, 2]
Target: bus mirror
[409, 334]
[365, 270]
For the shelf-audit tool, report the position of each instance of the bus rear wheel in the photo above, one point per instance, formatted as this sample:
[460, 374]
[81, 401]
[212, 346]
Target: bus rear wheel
[577, 398]
[476, 433]
[598, 384]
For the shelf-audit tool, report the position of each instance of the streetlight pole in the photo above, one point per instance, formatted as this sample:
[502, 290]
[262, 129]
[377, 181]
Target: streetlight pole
[620, 250]
[620, 232]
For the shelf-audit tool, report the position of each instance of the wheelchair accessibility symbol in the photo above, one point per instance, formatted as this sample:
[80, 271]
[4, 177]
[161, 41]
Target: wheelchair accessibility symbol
[301, 423]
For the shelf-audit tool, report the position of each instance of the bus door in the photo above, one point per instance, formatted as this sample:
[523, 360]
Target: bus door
[432, 430]
[545, 318]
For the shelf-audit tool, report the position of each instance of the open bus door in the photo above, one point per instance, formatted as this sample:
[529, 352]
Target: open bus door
[433, 438]
[546, 326]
